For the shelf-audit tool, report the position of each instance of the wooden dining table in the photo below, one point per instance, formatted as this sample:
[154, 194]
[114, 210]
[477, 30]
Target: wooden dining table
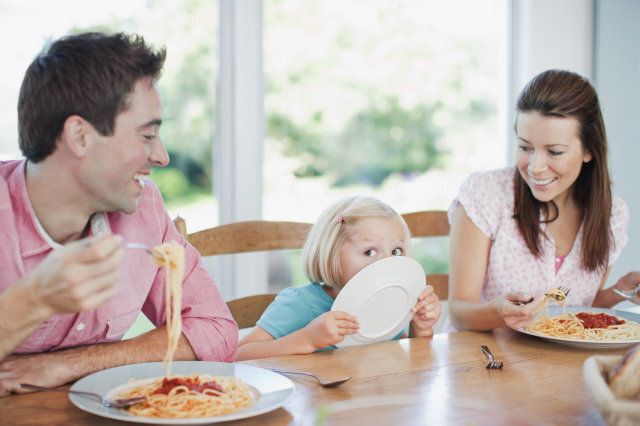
[437, 380]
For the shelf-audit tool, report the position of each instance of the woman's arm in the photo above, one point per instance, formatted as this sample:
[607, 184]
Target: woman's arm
[469, 256]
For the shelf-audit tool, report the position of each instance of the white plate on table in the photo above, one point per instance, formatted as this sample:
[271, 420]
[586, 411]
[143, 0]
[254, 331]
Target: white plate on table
[271, 390]
[381, 296]
[592, 344]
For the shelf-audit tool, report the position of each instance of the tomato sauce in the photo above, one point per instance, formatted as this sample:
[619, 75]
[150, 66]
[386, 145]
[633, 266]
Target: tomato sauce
[601, 320]
[191, 383]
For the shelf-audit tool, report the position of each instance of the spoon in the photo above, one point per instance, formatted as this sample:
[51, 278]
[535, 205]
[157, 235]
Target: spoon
[323, 383]
[628, 294]
[116, 403]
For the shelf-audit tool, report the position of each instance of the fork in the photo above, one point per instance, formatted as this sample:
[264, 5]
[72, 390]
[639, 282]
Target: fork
[628, 294]
[564, 290]
[115, 403]
[139, 246]
[492, 363]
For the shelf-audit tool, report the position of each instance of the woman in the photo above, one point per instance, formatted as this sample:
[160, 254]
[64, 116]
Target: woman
[551, 221]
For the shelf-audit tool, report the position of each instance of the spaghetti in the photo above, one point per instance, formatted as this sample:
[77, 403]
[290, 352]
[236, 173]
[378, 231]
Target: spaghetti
[190, 396]
[183, 396]
[590, 326]
[171, 257]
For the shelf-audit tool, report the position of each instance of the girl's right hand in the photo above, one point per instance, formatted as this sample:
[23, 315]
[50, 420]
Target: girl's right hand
[514, 315]
[330, 328]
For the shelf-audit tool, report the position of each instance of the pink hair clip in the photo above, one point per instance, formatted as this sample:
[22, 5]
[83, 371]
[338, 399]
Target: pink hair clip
[340, 219]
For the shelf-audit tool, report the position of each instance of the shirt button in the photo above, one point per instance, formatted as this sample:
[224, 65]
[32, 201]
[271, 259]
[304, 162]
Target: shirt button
[80, 327]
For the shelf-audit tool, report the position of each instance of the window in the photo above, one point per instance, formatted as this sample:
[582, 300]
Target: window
[398, 100]
[187, 29]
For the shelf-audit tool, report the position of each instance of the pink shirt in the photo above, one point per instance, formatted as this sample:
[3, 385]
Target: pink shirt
[488, 199]
[206, 320]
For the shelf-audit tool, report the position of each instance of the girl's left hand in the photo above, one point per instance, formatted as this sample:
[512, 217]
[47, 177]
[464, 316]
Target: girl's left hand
[426, 313]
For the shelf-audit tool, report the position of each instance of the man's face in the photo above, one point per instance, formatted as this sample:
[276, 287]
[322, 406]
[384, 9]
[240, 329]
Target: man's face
[117, 165]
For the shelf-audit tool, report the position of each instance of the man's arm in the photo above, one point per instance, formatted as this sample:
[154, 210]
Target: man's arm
[20, 316]
[57, 368]
[78, 277]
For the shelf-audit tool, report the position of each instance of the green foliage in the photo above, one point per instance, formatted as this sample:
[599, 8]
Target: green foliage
[378, 141]
[172, 183]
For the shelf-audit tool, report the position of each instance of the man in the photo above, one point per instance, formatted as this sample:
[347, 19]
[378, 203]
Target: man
[89, 115]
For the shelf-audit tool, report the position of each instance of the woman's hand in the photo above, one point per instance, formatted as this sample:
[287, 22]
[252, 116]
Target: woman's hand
[515, 315]
[426, 313]
[629, 282]
[330, 328]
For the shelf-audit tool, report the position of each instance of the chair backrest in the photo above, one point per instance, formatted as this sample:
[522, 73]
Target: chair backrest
[431, 223]
[245, 237]
[263, 235]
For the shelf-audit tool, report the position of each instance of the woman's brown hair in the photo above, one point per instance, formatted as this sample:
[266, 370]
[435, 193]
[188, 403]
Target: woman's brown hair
[557, 93]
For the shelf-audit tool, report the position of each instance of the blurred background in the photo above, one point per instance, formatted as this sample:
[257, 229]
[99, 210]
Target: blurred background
[276, 108]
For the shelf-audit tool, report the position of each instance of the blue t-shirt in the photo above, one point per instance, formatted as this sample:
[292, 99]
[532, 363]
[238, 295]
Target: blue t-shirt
[294, 308]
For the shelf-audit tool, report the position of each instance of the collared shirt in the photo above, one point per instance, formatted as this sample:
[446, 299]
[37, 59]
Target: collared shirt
[488, 199]
[206, 321]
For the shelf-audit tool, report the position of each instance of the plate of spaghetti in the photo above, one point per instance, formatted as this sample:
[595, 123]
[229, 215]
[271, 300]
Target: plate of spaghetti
[182, 392]
[197, 392]
[586, 327]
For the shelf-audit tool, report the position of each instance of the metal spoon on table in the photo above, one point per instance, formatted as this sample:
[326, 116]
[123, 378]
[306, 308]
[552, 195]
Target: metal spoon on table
[323, 383]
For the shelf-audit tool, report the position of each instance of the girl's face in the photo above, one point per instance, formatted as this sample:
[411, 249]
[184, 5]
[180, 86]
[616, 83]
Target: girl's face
[371, 239]
[550, 155]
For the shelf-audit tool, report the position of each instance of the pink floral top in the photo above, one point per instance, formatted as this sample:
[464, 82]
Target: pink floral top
[488, 199]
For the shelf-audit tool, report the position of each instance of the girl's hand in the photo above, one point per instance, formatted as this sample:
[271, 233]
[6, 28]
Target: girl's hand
[514, 315]
[426, 313]
[330, 328]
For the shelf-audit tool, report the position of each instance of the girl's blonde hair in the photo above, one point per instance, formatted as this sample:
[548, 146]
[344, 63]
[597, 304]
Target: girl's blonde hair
[321, 251]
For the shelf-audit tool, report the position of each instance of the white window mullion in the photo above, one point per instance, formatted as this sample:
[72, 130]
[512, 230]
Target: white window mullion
[240, 134]
[547, 34]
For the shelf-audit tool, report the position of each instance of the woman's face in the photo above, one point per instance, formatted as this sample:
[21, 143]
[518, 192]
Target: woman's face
[549, 155]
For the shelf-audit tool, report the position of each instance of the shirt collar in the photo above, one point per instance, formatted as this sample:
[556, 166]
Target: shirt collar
[34, 240]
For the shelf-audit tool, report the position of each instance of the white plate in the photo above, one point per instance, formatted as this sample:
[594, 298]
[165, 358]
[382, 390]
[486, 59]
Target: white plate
[271, 390]
[381, 297]
[594, 344]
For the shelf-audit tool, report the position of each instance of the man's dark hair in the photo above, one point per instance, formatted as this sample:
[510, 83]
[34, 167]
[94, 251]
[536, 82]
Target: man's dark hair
[90, 75]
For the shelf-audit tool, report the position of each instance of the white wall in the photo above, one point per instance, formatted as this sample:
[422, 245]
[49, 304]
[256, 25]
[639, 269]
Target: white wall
[617, 78]
[546, 34]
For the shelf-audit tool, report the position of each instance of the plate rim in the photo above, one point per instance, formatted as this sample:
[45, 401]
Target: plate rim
[117, 414]
[412, 265]
[602, 344]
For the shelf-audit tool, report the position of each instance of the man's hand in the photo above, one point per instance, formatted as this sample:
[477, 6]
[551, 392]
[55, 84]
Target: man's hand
[426, 313]
[329, 329]
[47, 369]
[78, 277]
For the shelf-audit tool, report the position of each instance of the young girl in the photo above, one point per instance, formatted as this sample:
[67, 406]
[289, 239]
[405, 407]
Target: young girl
[349, 235]
[550, 221]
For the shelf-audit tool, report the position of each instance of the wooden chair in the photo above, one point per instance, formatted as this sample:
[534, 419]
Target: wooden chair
[245, 237]
[431, 223]
[262, 235]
